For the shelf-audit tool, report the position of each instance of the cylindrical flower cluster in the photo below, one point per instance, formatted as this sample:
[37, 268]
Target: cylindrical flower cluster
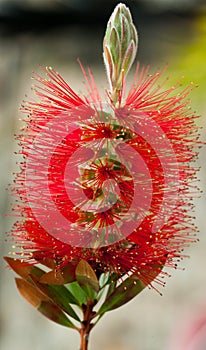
[105, 183]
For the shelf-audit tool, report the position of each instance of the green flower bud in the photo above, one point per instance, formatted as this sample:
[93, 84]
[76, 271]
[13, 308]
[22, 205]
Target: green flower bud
[119, 47]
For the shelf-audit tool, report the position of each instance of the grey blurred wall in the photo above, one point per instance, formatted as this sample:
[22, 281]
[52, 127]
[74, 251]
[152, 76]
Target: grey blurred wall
[150, 321]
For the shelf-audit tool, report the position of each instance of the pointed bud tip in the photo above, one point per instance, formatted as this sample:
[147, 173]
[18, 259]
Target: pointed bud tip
[120, 41]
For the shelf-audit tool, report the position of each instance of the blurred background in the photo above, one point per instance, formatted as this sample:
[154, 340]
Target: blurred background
[55, 33]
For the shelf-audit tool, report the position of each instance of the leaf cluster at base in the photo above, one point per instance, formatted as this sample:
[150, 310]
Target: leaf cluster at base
[62, 296]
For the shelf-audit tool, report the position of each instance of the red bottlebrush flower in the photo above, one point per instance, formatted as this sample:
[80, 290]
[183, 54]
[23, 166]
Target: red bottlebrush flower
[111, 184]
[108, 182]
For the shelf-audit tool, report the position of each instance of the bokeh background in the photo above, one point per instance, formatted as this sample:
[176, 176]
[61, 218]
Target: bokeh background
[55, 33]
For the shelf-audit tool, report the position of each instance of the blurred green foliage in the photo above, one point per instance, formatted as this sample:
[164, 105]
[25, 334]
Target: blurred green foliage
[190, 62]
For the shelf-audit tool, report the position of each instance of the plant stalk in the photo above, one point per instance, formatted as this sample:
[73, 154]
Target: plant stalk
[84, 340]
[86, 325]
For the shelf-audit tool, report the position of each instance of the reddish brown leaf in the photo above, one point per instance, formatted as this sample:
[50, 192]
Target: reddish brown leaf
[64, 276]
[30, 292]
[24, 269]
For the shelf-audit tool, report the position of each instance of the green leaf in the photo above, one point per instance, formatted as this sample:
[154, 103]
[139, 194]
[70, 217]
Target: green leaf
[126, 291]
[101, 293]
[55, 314]
[104, 279]
[42, 303]
[60, 296]
[87, 279]
[112, 286]
[75, 289]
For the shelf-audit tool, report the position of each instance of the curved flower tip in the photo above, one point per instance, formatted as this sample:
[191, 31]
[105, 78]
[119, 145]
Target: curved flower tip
[112, 186]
